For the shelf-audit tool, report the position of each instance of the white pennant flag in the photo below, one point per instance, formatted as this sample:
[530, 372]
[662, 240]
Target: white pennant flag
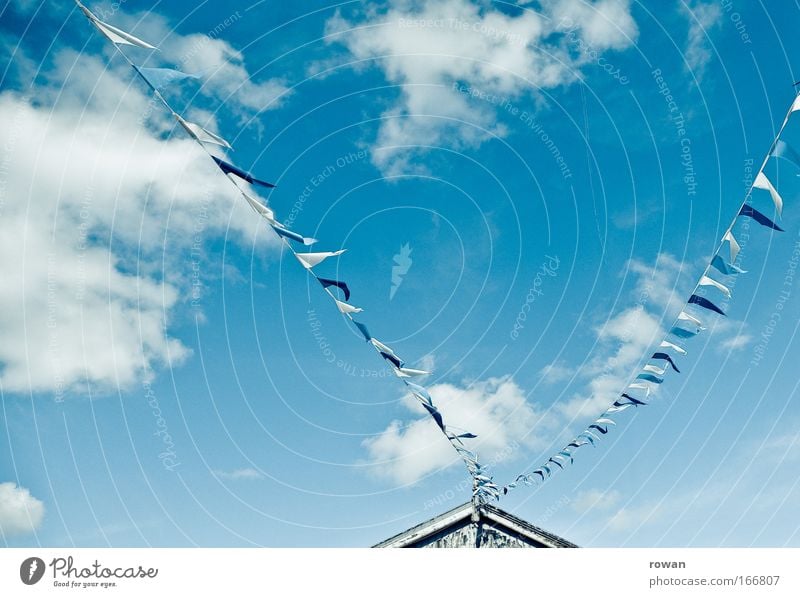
[260, 208]
[684, 316]
[763, 183]
[796, 104]
[675, 347]
[406, 372]
[733, 245]
[309, 260]
[201, 134]
[345, 308]
[117, 36]
[706, 281]
[654, 369]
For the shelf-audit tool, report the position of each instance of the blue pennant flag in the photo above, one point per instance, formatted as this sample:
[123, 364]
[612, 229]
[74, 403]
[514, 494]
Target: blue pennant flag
[341, 286]
[701, 301]
[649, 377]
[363, 329]
[231, 169]
[726, 268]
[158, 78]
[293, 236]
[787, 152]
[750, 212]
[683, 333]
[665, 357]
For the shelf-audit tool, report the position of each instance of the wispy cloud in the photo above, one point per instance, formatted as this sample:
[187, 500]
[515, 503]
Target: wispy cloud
[701, 17]
[248, 474]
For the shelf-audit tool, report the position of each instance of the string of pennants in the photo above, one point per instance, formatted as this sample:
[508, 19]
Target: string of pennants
[686, 325]
[156, 79]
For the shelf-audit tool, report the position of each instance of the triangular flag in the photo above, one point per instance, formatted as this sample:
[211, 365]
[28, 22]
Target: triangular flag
[231, 169]
[726, 268]
[706, 281]
[420, 392]
[675, 347]
[117, 36]
[663, 356]
[345, 308]
[750, 212]
[683, 333]
[796, 104]
[340, 285]
[260, 208]
[654, 369]
[684, 316]
[363, 329]
[387, 353]
[201, 134]
[406, 372]
[705, 303]
[158, 78]
[649, 377]
[763, 183]
[787, 152]
[309, 260]
[734, 246]
[281, 231]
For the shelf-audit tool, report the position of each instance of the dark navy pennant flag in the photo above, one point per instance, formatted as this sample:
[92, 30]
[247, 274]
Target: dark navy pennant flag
[633, 401]
[749, 211]
[341, 286]
[702, 301]
[434, 412]
[231, 169]
[663, 356]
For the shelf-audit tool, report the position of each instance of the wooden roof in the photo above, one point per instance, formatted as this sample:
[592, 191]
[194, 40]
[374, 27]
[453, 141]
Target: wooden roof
[492, 527]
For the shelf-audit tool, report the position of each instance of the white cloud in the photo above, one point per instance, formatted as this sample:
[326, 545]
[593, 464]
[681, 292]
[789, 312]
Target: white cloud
[702, 16]
[496, 410]
[556, 372]
[239, 474]
[97, 215]
[428, 46]
[20, 512]
[736, 342]
[593, 500]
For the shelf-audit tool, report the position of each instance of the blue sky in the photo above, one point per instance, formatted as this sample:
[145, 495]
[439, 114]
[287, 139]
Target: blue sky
[170, 377]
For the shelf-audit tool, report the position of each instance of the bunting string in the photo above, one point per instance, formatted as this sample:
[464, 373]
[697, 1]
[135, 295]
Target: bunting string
[687, 324]
[157, 79]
